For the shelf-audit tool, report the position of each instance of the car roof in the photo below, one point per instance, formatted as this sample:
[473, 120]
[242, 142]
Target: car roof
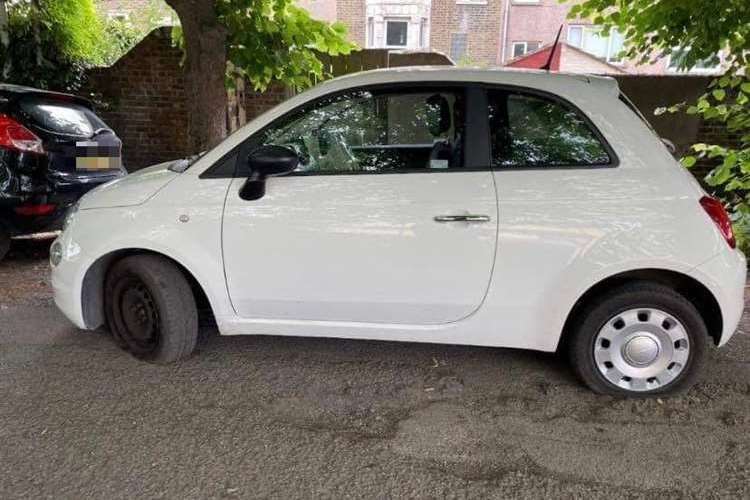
[548, 80]
[9, 89]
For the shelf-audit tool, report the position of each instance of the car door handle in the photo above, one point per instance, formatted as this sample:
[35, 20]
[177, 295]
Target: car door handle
[462, 218]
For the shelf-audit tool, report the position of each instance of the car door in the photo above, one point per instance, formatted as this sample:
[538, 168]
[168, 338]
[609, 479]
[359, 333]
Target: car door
[389, 218]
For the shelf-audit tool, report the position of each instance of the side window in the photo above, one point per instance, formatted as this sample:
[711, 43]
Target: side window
[370, 131]
[533, 131]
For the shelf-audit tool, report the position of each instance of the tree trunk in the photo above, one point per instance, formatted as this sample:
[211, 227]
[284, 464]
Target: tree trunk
[205, 67]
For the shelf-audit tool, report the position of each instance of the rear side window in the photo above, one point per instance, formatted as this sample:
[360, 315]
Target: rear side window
[529, 130]
[62, 117]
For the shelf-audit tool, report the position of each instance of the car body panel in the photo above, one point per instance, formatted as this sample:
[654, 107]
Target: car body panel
[560, 232]
[361, 247]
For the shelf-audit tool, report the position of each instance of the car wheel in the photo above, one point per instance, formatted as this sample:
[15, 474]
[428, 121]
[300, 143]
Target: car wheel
[639, 339]
[4, 243]
[151, 309]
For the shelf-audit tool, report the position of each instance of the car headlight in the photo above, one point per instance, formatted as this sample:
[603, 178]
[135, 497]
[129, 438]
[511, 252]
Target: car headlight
[55, 253]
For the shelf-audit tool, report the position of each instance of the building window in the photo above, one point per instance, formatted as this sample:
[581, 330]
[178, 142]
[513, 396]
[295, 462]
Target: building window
[395, 33]
[590, 39]
[459, 42]
[521, 48]
[708, 65]
[370, 32]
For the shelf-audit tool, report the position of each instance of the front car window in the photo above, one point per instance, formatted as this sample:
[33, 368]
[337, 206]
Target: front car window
[534, 131]
[370, 131]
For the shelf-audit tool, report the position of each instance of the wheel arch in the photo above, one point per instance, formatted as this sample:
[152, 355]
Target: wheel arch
[92, 289]
[692, 289]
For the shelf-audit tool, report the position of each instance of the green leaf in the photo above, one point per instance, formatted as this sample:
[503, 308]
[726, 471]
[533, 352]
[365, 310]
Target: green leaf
[719, 94]
[688, 161]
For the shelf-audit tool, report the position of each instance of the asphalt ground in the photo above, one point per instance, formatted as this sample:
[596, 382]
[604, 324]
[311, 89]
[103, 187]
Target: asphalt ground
[281, 417]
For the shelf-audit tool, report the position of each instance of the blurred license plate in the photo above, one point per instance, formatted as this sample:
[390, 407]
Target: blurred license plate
[97, 162]
[91, 155]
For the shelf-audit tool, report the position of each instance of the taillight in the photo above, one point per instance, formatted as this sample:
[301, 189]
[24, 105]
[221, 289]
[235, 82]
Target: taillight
[13, 135]
[719, 215]
[31, 210]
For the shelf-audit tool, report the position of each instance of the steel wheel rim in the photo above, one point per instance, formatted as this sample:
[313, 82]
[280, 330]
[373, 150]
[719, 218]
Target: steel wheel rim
[138, 316]
[641, 349]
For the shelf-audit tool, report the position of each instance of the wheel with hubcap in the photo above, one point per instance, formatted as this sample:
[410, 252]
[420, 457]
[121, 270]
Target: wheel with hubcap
[639, 339]
[150, 309]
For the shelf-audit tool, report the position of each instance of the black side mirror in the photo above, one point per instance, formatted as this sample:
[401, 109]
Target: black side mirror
[266, 161]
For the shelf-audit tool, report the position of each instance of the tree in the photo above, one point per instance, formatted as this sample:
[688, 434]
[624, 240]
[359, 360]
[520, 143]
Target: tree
[697, 31]
[261, 40]
[122, 34]
[48, 43]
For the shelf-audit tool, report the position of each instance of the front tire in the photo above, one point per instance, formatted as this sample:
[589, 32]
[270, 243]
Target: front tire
[151, 309]
[639, 339]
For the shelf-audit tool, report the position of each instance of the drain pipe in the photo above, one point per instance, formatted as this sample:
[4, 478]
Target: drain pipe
[504, 38]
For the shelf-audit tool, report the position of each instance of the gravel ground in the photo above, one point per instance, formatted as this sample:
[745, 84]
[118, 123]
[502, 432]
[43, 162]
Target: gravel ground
[297, 418]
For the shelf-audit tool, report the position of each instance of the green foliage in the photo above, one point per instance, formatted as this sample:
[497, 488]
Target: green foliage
[698, 30]
[274, 40]
[121, 35]
[51, 43]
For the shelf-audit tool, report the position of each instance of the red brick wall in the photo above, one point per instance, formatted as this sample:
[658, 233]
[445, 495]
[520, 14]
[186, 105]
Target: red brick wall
[482, 23]
[353, 14]
[144, 101]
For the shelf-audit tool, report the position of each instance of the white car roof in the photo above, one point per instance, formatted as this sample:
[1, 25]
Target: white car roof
[559, 83]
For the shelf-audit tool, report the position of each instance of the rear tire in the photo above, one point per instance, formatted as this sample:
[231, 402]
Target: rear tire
[151, 309]
[640, 339]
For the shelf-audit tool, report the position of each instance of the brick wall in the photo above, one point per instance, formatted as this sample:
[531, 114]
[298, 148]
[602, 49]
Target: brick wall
[479, 23]
[143, 96]
[353, 14]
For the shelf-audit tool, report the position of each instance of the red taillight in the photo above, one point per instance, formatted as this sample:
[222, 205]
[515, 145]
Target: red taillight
[719, 215]
[33, 210]
[13, 135]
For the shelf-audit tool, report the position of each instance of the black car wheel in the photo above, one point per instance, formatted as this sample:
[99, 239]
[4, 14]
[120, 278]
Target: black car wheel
[150, 309]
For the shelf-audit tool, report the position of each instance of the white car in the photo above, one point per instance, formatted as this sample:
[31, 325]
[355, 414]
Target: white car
[484, 207]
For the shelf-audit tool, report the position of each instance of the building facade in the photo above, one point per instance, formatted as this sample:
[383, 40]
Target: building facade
[488, 33]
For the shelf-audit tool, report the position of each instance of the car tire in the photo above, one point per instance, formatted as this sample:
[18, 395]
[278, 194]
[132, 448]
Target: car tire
[639, 339]
[150, 309]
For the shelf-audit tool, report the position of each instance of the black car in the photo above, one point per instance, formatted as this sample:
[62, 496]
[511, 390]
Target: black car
[53, 149]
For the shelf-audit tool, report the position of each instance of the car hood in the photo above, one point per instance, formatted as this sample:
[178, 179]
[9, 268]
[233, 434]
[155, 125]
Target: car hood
[133, 189]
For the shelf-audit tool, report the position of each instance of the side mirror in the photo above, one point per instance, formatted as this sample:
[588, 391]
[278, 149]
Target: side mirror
[266, 161]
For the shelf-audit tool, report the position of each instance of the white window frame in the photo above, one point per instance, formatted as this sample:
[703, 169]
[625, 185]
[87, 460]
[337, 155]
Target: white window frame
[513, 49]
[389, 20]
[609, 57]
[692, 71]
[525, 48]
[527, 2]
